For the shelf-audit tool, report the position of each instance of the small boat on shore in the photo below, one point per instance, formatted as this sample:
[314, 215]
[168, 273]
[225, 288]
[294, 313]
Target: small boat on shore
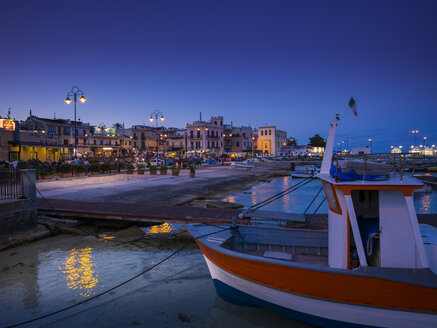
[245, 164]
[371, 268]
[304, 171]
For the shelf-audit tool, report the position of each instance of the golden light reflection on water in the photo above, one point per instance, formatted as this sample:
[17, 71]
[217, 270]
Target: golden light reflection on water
[426, 203]
[79, 271]
[286, 183]
[162, 228]
[229, 198]
[106, 237]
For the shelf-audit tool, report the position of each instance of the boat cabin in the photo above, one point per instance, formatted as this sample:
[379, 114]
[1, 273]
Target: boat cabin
[371, 217]
[382, 219]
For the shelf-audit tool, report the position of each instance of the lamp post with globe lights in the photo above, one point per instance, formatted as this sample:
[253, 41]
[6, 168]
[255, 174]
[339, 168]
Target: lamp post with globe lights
[74, 92]
[157, 115]
[414, 132]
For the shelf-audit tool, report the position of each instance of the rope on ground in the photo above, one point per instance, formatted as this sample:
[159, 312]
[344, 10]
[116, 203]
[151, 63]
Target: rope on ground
[116, 286]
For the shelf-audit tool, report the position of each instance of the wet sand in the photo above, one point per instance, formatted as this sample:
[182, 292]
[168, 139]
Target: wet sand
[158, 189]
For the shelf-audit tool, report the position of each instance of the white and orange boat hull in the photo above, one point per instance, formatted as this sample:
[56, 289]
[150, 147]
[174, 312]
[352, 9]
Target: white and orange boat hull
[323, 309]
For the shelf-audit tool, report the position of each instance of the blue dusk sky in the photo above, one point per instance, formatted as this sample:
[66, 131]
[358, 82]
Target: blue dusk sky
[293, 64]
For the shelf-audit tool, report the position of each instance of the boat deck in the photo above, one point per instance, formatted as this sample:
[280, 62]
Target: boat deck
[294, 245]
[303, 258]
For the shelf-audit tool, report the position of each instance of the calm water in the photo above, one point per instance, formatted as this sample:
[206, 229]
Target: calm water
[60, 271]
[299, 200]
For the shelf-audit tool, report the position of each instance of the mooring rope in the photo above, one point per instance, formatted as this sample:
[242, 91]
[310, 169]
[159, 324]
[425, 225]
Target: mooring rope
[313, 201]
[309, 220]
[297, 185]
[116, 286]
[279, 195]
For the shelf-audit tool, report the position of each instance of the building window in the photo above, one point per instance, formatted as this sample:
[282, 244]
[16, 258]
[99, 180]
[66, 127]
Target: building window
[52, 129]
[215, 122]
[192, 143]
[244, 135]
[94, 142]
[270, 132]
[198, 134]
[101, 142]
[66, 131]
[238, 144]
[65, 142]
[191, 136]
[208, 144]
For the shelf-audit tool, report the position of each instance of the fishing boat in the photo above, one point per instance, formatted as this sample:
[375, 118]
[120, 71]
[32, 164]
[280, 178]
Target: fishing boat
[370, 268]
[431, 168]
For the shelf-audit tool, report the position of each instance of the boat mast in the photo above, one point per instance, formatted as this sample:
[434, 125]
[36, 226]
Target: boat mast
[329, 148]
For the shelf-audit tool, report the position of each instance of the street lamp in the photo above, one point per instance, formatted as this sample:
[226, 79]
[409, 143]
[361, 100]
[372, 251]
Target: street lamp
[156, 114]
[74, 92]
[371, 141]
[414, 132]
[253, 146]
[424, 140]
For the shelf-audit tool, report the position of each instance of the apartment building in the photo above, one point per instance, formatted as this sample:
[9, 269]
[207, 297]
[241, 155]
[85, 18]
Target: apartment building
[205, 136]
[238, 139]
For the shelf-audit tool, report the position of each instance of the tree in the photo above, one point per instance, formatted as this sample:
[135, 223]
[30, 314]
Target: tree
[317, 141]
[117, 126]
[291, 141]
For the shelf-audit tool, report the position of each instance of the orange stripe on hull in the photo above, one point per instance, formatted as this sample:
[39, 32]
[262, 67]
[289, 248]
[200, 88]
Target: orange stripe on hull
[337, 287]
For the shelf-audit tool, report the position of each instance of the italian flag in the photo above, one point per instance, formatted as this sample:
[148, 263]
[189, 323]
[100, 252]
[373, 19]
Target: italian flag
[353, 105]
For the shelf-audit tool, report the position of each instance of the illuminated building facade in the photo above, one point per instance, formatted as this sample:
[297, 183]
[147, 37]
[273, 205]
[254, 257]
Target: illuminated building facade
[271, 140]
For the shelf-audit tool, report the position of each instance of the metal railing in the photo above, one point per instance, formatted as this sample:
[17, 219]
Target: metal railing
[397, 163]
[10, 184]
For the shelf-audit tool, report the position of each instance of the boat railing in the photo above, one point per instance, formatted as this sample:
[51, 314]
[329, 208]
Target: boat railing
[396, 163]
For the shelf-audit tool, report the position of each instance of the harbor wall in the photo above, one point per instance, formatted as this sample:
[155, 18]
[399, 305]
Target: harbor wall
[17, 215]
